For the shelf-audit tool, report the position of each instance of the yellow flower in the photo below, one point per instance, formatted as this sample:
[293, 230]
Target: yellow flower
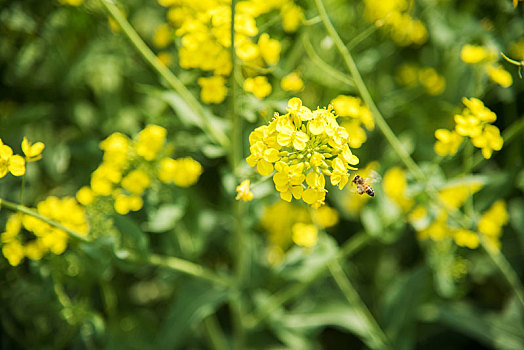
[164, 58]
[347, 106]
[262, 157]
[150, 141]
[269, 49]
[340, 175]
[315, 193]
[466, 238]
[13, 252]
[35, 249]
[85, 195]
[499, 75]
[517, 50]
[489, 140]
[325, 217]
[292, 82]
[305, 235]
[408, 74]
[289, 135]
[288, 180]
[448, 142]
[183, 172]
[434, 83]
[162, 36]
[491, 222]
[124, 204]
[474, 54]
[292, 17]
[243, 191]
[214, 89]
[136, 182]
[467, 125]
[72, 2]
[395, 186]
[9, 162]
[259, 86]
[16, 165]
[32, 152]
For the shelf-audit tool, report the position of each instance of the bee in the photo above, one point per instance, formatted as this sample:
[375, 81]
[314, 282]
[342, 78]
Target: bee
[363, 183]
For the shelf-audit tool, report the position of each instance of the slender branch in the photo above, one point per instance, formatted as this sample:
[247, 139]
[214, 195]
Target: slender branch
[34, 213]
[216, 134]
[366, 96]
[188, 267]
[378, 339]
[216, 337]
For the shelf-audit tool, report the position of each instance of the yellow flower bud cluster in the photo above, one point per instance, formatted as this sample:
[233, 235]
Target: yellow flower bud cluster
[394, 16]
[411, 75]
[474, 122]
[491, 222]
[358, 115]
[288, 223]
[292, 82]
[303, 146]
[46, 238]
[395, 187]
[129, 167]
[204, 29]
[487, 58]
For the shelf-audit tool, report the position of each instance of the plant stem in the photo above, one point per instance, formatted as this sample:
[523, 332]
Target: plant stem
[216, 134]
[366, 96]
[214, 333]
[187, 267]
[505, 268]
[377, 338]
[34, 213]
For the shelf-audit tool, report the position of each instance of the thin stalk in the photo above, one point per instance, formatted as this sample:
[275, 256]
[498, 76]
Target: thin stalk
[188, 267]
[505, 268]
[361, 37]
[216, 134]
[325, 67]
[377, 337]
[280, 298]
[235, 155]
[216, 337]
[366, 96]
[34, 213]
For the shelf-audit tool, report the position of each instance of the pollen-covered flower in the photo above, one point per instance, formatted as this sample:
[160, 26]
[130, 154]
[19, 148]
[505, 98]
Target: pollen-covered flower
[33, 152]
[303, 146]
[243, 191]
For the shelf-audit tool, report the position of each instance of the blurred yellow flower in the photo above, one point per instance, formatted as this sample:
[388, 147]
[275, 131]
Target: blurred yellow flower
[395, 187]
[473, 54]
[162, 36]
[33, 152]
[499, 75]
[85, 195]
[269, 49]
[136, 182]
[305, 235]
[258, 86]
[243, 191]
[214, 89]
[447, 142]
[325, 217]
[150, 141]
[124, 204]
[292, 82]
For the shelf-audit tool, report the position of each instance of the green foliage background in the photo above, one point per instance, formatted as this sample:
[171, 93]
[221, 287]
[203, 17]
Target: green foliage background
[69, 81]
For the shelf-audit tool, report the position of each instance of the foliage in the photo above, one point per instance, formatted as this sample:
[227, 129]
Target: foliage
[167, 182]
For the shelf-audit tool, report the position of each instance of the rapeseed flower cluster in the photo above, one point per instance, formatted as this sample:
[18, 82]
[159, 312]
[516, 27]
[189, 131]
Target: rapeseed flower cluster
[288, 223]
[129, 167]
[486, 58]
[394, 16]
[303, 146]
[474, 122]
[412, 75]
[358, 115]
[45, 238]
[204, 29]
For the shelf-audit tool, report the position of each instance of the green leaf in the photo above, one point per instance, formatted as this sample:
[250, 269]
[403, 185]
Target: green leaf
[166, 217]
[194, 301]
[132, 240]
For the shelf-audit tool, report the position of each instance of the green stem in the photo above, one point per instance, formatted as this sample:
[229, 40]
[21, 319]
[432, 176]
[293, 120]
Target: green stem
[325, 67]
[216, 134]
[366, 96]
[361, 36]
[216, 337]
[377, 337]
[34, 213]
[505, 268]
[280, 298]
[187, 267]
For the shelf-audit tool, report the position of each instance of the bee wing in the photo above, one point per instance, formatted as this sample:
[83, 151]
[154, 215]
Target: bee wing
[373, 177]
